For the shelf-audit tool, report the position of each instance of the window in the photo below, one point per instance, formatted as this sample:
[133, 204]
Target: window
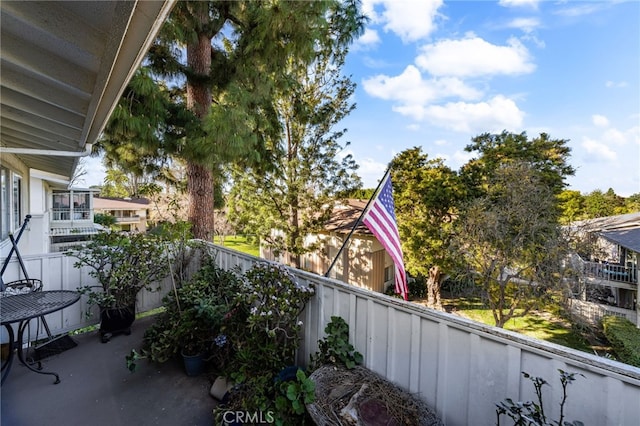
[81, 205]
[5, 215]
[71, 205]
[17, 201]
[61, 206]
[388, 273]
[10, 201]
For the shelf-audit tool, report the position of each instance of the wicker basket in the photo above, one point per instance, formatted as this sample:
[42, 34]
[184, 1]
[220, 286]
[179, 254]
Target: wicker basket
[361, 397]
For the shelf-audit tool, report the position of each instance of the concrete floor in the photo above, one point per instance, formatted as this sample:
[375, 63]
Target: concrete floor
[96, 389]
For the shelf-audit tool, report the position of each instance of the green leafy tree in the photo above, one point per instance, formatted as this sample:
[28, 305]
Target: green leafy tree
[205, 95]
[426, 194]
[632, 203]
[115, 184]
[359, 194]
[571, 205]
[285, 203]
[105, 220]
[597, 204]
[549, 157]
[512, 242]
[602, 204]
[616, 201]
[132, 142]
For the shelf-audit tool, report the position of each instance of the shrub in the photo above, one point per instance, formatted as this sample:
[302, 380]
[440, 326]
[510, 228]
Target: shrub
[335, 347]
[624, 338]
[123, 264]
[192, 316]
[264, 331]
[532, 413]
[263, 325]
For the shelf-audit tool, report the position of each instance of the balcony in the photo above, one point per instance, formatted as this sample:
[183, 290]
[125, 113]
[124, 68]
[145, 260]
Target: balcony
[127, 219]
[459, 367]
[619, 275]
[96, 389]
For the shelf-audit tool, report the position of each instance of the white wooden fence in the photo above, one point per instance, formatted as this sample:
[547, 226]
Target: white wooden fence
[56, 271]
[594, 312]
[459, 367]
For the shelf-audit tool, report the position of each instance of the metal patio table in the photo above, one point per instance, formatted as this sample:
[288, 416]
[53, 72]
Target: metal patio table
[22, 308]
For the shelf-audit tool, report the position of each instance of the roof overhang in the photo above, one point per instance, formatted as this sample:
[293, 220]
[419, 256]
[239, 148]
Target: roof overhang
[627, 238]
[63, 67]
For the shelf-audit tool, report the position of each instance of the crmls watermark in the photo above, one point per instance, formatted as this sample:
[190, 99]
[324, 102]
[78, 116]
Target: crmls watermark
[246, 417]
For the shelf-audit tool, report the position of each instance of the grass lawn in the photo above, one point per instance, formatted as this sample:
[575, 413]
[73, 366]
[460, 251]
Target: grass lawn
[540, 325]
[240, 243]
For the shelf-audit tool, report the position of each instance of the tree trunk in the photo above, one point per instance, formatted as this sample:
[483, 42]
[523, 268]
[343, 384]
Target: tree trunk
[199, 177]
[433, 288]
[200, 189]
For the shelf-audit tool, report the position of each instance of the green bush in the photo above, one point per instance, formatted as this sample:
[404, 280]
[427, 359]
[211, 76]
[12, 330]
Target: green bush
[192, 317]
[624, 338]
[530, 413]
[335, 348]
[417, 288]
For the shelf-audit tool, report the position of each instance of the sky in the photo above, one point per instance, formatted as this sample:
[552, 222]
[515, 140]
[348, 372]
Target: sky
[434, 74]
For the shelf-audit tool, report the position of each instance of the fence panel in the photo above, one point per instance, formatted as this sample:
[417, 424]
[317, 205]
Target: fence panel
[56, 271]
[459, 367]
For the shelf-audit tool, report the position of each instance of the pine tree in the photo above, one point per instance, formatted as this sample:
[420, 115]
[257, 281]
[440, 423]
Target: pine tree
[296, 197]
[206, 95]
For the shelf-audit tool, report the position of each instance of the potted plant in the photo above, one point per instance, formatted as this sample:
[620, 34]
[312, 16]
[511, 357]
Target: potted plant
[123, 264]
[264, 332]
[192, 318]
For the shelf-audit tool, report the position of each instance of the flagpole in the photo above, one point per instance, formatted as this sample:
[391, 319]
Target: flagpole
[344, 243]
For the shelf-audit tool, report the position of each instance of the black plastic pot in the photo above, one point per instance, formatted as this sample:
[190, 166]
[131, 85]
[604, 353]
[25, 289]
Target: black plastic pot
[116, 321]
[193, 364]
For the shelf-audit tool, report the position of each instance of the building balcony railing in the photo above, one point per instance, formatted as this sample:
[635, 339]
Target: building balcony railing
[128, 219]
[611, 272]
[459, 367]
[66, 214]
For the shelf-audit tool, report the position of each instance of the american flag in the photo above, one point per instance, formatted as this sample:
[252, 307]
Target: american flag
[381, 220]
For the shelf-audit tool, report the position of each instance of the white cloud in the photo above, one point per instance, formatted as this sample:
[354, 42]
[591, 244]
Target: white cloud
[600, 120]
[634, 134]
[519, 3]
[410, 89]
[95, 171]
[370, 62]
[614, 136]
[410, 20]
[473, 56]
[527, 25]
[581, 9]
[369, 39]
[441, 142]
[598, 150]
[616, 84]
[371, 171]
[495, 115]
[462, 157]
[535, 40]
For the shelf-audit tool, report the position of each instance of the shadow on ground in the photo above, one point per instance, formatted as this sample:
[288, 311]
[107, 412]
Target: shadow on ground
[97, 389]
